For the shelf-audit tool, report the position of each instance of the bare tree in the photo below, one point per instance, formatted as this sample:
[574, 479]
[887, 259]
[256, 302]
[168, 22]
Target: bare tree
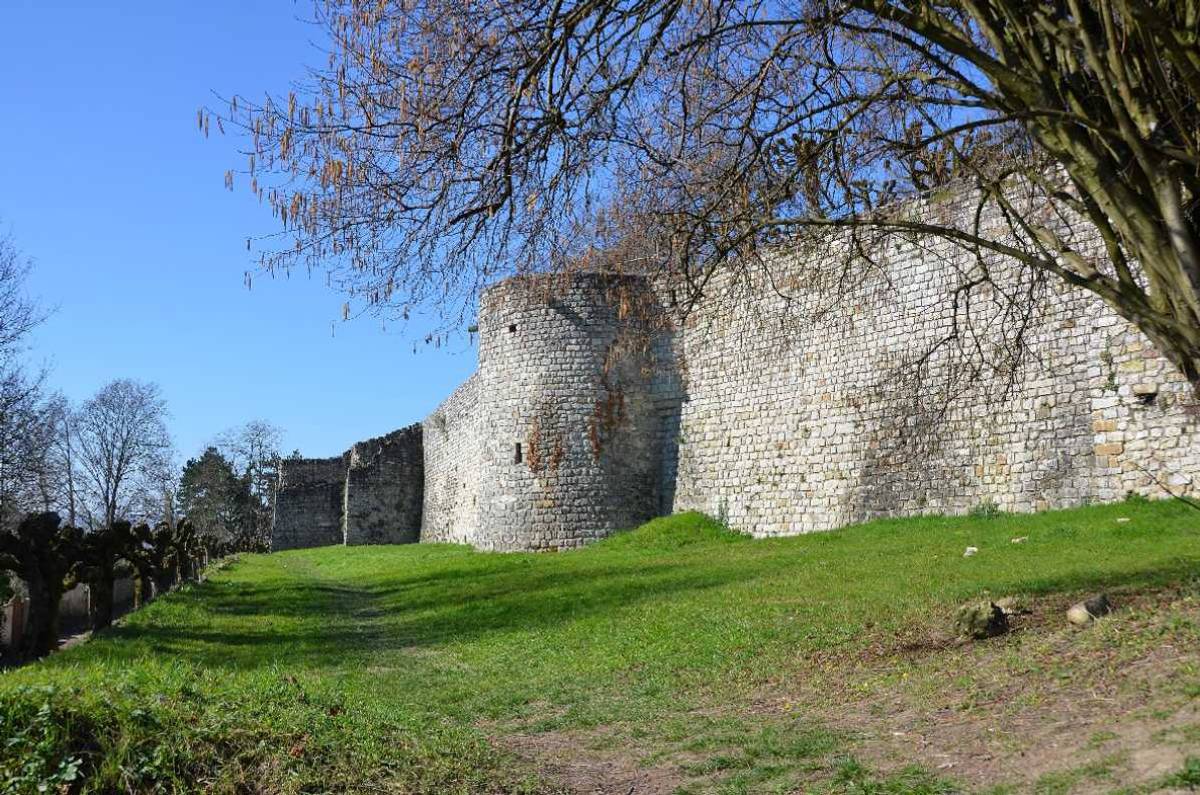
[121, 444]
[63, 455]
[19, 315]
[253, 450]
[25, 442]
[28, 470]
[446, 144]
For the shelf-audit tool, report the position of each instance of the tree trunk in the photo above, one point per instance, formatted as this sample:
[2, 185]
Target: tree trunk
[143, 587]
[163, 581]
[102, 600]
[45, 599]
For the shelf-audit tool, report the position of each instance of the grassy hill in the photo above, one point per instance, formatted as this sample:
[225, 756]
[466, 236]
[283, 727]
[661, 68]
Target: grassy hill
[677, 657]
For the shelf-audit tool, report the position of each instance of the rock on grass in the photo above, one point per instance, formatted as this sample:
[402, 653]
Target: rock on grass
[981, 620]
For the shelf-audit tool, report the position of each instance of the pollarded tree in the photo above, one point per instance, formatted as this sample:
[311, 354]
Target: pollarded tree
[185, 549]
[445, 144]
[101, 552]
[154, 559]
[48, 557]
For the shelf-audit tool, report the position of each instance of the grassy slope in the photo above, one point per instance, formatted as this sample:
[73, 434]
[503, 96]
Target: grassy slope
[348, 668]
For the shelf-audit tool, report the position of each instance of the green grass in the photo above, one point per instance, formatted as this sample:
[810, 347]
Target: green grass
[368, 668]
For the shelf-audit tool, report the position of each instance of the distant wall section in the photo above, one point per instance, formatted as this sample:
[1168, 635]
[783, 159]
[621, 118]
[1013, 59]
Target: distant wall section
[384, 489]
[308, 503]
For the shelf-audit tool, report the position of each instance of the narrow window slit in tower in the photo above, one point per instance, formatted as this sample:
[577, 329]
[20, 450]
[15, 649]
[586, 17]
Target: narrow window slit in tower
[512, 328]
[517, 454]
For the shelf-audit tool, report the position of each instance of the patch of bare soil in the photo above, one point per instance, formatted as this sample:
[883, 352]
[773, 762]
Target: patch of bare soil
[1049, 708]
[573, 760]
[1085, 710]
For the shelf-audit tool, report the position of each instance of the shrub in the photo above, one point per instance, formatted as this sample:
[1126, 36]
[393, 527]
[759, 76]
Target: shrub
[987, 509]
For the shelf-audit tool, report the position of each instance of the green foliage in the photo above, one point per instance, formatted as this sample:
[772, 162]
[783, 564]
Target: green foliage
[1188, 778]
[215, 499]
[389, 668]
[41, 742]
[987, 509]
[853, 778]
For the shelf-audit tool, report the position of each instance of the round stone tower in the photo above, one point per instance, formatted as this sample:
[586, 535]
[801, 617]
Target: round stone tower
[571, 435]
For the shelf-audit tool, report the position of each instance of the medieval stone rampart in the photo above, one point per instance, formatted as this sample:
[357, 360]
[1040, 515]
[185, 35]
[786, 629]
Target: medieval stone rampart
[308, 503]
[453, 438]
[901, 402]
[789, 400]
[384, 489]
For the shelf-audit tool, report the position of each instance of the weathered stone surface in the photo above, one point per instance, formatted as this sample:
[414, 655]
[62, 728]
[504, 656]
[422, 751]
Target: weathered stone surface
[384, 490]
[799, 421]
[308, 503]
[1087, 611]
[1079, 615]
[452, 451]
[371, 494]
[1098, 605]
[559, 438]
[795, 403]
[1013, 605]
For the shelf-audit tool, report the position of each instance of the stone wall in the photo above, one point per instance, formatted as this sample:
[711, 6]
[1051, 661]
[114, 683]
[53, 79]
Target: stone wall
[797, 419]
[557, 439]
[308, 503]
[571, 430]
[788, 400]
[452, 437]
[384, 489]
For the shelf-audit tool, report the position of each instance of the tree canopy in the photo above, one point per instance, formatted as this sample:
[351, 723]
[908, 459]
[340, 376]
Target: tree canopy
[215, 499]
[443, 144]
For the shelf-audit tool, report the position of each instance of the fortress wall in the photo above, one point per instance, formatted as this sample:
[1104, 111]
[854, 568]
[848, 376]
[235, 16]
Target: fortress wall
[451, 441]
[788, 400]
[1145, 417]
[797, 421]
[308, 503]
[384, 489]
[569, 425]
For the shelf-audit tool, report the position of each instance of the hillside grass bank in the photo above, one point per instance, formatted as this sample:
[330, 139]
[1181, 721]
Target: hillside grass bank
[678, 657]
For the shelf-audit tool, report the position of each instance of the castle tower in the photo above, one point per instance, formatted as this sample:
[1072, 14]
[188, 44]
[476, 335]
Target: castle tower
[569, 434]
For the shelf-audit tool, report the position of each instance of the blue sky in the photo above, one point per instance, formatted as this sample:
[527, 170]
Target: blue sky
[106, 183]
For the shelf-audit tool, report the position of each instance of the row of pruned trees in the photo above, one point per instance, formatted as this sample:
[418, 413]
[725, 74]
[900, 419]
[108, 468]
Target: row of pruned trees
[51, 558]
[224, 512]
[92, 492]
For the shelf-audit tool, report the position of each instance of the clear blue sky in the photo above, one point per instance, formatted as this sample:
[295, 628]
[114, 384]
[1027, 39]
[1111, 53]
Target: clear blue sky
[106, 183]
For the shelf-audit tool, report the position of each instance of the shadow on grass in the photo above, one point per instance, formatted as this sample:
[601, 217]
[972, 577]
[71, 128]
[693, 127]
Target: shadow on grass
[314, 624]
[244, 624]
